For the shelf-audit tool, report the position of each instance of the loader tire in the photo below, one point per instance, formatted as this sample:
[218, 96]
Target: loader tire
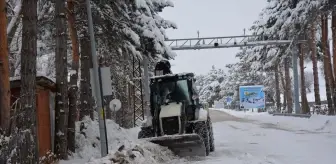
[201, 129]
[211, 135]
[145, 133]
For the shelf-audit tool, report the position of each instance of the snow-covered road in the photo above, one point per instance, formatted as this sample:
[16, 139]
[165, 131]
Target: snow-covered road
[253, 140]
[240, 138]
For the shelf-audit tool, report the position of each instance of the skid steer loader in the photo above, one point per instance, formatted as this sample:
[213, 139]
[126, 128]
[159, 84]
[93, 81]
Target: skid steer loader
[178, 120]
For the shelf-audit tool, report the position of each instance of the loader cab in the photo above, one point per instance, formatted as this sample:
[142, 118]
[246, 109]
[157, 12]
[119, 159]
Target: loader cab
[174, 88]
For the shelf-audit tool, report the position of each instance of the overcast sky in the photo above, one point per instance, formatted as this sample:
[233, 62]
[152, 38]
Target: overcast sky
[212, 18]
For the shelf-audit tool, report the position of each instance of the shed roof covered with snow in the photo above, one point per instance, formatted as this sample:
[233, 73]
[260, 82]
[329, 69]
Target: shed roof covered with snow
[41, 81]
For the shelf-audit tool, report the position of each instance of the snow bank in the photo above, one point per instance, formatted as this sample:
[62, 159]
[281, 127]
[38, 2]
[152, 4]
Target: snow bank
[122, 143]
[316, 123]
[241, 114]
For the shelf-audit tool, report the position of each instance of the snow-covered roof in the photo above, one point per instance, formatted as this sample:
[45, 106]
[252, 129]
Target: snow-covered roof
[41, 80]
[39, 75]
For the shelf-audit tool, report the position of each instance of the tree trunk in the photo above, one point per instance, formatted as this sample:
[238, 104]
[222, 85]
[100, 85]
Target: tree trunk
[86, 99]
[332, 80]
[73, 91]
[277, 88]
[333, 29]
[330, 67]
[27, 151]
[326, 61]
[62, 108]
[288, 87]
[85, 92]
[312, 44]
[304, 102]
[284, 90]
[4, 71]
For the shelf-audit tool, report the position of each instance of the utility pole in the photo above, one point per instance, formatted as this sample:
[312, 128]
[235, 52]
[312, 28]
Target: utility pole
[97, 85]
[296, 79]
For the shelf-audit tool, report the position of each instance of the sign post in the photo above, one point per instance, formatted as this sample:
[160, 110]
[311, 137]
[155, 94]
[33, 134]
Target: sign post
[97, 85]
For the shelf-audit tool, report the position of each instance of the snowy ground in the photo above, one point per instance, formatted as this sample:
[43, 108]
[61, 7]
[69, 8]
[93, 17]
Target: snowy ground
[240, 138]
[259, 138]
[134, 151]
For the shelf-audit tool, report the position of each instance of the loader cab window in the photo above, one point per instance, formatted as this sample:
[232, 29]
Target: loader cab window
[182, 91]
[171, 93]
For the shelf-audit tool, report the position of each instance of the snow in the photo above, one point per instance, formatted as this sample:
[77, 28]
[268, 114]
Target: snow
[37, 75]
[320, 123]
[242, 138]
[88, 150]
[262, 138]
[171, 75]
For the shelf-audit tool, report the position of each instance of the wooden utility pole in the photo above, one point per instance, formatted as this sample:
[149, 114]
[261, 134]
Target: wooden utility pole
[4, 71]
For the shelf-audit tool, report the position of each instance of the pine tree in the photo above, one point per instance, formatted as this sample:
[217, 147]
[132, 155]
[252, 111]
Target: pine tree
[304, 102]
[4, 71]
[288, 87]
[277, 88]
[73, 91]
[62, 106]
[26, 116]
[313, 51]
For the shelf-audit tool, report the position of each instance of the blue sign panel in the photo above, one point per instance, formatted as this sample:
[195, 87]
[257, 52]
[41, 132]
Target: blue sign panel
[228, 99]
[252, 97]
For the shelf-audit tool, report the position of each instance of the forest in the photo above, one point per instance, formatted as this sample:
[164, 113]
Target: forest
[271, 66]
[51, 39]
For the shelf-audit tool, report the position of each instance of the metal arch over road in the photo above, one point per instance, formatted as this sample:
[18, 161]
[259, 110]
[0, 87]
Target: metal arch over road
[242, 41]
[142, 107]
[224, 42]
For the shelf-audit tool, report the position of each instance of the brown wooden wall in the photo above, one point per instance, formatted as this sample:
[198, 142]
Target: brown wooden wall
[43, 116]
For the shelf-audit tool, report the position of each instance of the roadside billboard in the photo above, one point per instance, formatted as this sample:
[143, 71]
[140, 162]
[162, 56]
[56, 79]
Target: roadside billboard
[251, 97]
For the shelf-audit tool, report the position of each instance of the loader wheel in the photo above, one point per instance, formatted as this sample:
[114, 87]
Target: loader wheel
[201, 129]
[211, 136]
[145, 132]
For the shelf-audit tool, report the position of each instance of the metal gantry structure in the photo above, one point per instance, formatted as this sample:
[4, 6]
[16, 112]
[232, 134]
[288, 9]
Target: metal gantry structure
[199, 43]
[243, 41]
[224, 42]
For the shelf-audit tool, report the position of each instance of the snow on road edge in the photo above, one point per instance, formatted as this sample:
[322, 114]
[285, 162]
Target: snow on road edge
[317, 123]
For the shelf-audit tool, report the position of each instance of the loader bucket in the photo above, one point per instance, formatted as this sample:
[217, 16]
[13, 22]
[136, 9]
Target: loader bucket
[182, 145]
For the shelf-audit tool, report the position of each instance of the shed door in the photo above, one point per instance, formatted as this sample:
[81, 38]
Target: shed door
[43, 116]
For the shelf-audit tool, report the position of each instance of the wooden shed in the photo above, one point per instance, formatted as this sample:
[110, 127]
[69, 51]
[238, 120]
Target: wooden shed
[45, 93]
